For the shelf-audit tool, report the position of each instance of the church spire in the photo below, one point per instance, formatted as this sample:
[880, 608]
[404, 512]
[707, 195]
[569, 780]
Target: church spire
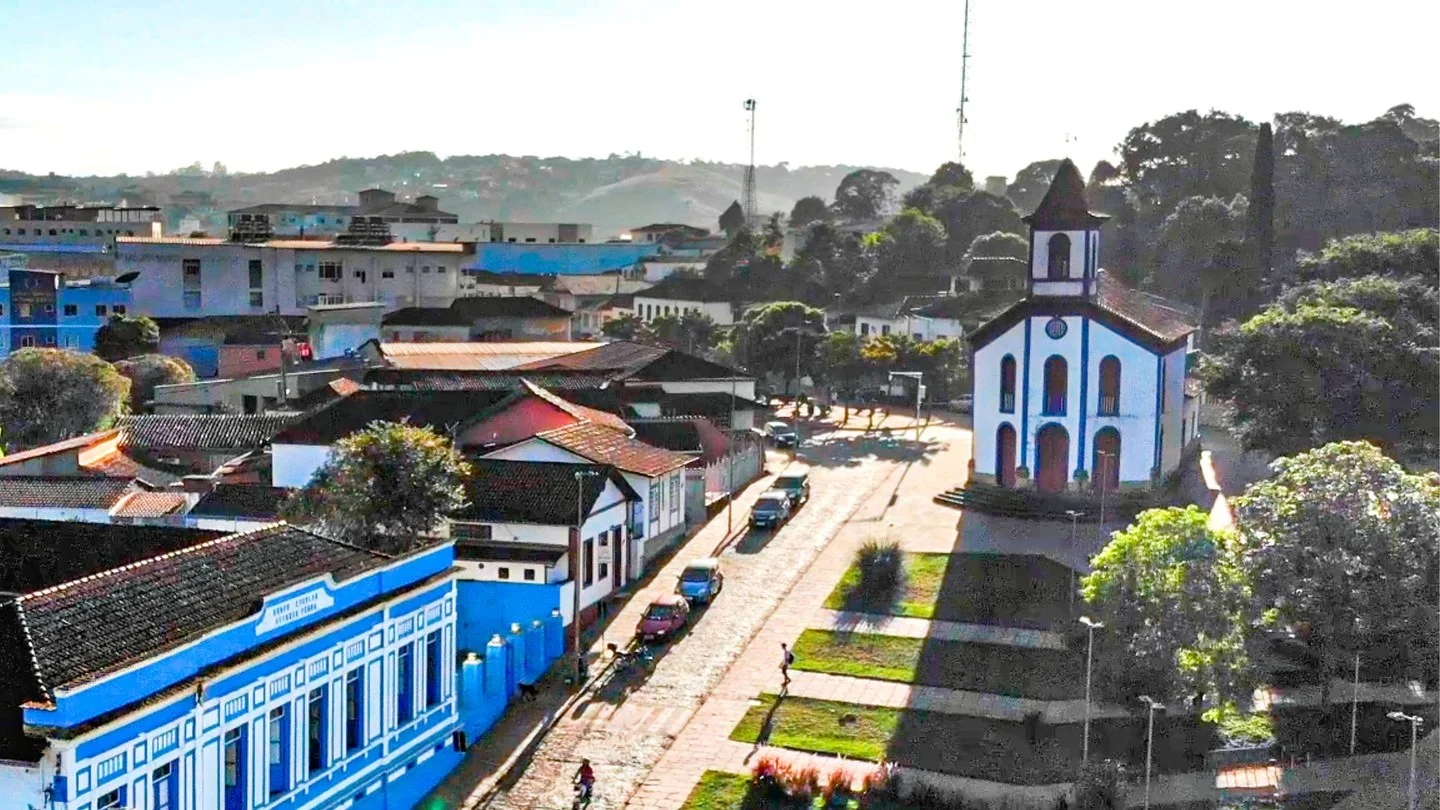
[1064, 208]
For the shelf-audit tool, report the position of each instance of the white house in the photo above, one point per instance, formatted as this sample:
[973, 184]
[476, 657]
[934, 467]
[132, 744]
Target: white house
[679, 294]
[1083, 380]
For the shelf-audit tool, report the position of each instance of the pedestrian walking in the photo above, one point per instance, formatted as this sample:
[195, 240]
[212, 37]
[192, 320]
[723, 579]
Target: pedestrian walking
[787, 658]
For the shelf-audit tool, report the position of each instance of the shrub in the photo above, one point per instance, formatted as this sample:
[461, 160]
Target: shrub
[765, 777]
[801, 782]
[881, 568]
[836, 786]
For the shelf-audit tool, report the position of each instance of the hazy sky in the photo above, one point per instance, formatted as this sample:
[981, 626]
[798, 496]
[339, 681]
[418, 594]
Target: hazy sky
[105, 87]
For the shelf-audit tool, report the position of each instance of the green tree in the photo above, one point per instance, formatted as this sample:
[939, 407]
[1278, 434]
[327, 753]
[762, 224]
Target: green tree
[54, 394]
[1187, 245]
[774, 234]
[732, 219]
[146, 371]
[1187, 155]
[1349, 359]
[625, 327]
[1031, 183]
[385, 486]
[864, 194]
[1398, 254]
[125, 336]
[1339, 543]
[829, 263]
[808, 210]
[998, 261]
[949, 181]
[843, 364]
[968, 216]
[1101, 785]
[773, 338]
[1175, 604]
[1260, 216]
[693, 332]
[912, 246]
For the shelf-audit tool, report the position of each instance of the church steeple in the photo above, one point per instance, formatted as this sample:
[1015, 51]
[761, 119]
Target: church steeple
[1064, 238]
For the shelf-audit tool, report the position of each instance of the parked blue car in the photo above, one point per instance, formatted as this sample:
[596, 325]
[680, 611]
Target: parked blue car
[701, 580]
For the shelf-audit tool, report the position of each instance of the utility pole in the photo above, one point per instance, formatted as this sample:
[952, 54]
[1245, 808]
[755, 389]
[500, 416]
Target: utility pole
[575, 574]
[751, 215]
[960, 111]
[1090, 627]
[1414, 721]
[1074, 517]
[1149, 742]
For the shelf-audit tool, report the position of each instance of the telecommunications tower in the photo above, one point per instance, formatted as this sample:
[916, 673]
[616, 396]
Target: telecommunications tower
[960, 111]
[748, 203]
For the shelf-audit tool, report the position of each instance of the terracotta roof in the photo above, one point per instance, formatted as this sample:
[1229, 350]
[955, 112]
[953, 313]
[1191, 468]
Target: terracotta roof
[599, 417]
[1165, 319]
[475, 356]
[676, 435]
[150, 504]
[241, 501]
[441, 410]
[1150, 319]
[485, 380]
[602, 445]
[621, 356]
[62, 492]
[683, 288]
[1063, 208]
[123, 464]
[86, 628]
[466, 311]
[295, 244]
[539, 492]
[479, 550]
[201, 432]
[77, 443]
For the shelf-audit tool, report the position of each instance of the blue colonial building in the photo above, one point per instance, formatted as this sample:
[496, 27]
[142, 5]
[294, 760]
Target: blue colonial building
[171, 669]
[39, 308]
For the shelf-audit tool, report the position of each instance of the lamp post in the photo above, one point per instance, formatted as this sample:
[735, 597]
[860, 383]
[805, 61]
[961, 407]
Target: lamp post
[580, 476]
[1414, 721]
[795, 418]
[1355, 704]
[730, 467]
[1090, 627]
[1074, 516]
[1150, 741]
[1101, 456]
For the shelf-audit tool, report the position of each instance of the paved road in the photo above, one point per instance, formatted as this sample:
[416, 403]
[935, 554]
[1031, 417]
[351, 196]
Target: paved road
[627, 727]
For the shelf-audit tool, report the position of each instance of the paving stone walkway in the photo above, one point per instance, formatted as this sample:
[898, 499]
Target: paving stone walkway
[895, 695]
[911, 627]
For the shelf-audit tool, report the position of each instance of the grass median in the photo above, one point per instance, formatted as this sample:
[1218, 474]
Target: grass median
[1000, 669]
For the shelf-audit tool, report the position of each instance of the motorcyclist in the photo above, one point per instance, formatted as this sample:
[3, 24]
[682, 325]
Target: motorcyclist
[585, 778]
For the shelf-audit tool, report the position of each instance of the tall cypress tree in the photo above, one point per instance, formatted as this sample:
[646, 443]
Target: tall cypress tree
[1260, 229]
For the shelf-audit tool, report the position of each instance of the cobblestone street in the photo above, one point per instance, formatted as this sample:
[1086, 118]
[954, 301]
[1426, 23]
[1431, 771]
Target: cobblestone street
[625, 726]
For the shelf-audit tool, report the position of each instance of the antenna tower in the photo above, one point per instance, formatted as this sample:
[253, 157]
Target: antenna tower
[960, 111]
[748, 203]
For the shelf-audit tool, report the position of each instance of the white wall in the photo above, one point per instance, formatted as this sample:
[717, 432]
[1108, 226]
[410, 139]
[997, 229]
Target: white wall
[293, 465]
[1172, 443]
[1136, 421]
[921, 328]
[55, 513]
[334, 339]
[744, 389]
[648, 309]
[21, 784]
[987, 415]
[658, 270]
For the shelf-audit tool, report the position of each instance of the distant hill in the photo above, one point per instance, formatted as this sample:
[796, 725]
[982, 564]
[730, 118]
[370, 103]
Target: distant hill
[614, 193]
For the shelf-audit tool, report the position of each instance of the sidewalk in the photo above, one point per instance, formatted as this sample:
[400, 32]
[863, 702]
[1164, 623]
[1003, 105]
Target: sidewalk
[911, 697]
[911, 627]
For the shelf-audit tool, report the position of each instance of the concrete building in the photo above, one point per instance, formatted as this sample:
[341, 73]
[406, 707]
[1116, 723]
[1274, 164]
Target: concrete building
[1082, 381]
[680, 294]
[487, 319]
[41, 309]
[658, 231]
[99, 225]
[522, 233]
[185, 277]
[267, 221]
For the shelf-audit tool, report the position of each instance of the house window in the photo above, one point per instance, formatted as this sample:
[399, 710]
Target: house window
[1007, 384]
[49, 340]
[279, 750]
[190, 271]
[589, 561]
[405, 691]
[234, 767]
[604, 571]
[100, 310]
[1109, 386]
[354, 710]
[23, 311]
[164, 791]
[504, 572]
[424, 269]
[529, 574]
[114, 800]
[71, 310]
[317, 711]
[1056, 380]
[331, 271]
[118, 309]
[432, 670]
[885, 329]
[1057, 264]
[387, 274]
[191, 299]
[260, 354]
[257, 299]
[472, 531]
[257, 273]
[1164, 400]
[27, 341]
[674, 493]
[49, 309]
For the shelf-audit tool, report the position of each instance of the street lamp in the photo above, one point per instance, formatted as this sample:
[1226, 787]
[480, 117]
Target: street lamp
[580, 476]
[1355, 704]
[1090, 627]
[1101, 456]
[1074, 516]
[1150, 741]
[1414, 721]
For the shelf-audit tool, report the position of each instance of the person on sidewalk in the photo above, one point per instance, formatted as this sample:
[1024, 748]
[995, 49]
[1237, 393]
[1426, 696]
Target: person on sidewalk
[787, 658]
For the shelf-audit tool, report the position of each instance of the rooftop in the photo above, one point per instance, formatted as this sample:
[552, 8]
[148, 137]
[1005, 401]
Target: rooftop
[1154, 320]
[602, 445]
[679, 287]
[441, 410]
[505, 380]
[508, 552]
[294, 244]
[466, 311]
[200, 432]
[475, 356]
[538, 492]
[241, 501]
[62, 492]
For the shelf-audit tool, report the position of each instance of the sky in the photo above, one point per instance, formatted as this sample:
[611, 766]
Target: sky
[110, 87]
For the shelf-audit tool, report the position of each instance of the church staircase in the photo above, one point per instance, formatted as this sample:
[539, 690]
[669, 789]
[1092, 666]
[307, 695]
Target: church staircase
[1032, 504]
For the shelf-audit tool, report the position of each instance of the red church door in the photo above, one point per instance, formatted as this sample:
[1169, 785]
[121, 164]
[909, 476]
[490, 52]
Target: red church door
[1052, 457]
[1106, 470]
[1005, 456]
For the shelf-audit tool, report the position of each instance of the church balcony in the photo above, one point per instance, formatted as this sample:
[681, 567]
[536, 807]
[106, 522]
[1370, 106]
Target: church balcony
[1053, 405]
[1109, 406]
[1007, 402]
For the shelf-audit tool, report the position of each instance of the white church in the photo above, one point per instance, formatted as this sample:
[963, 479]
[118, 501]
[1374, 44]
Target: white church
[1081, 384]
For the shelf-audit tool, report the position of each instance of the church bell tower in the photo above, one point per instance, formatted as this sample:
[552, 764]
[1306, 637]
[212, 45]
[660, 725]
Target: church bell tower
[1064, 239]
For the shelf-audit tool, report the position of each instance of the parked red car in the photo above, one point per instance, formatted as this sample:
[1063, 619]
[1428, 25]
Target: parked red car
[665, 616]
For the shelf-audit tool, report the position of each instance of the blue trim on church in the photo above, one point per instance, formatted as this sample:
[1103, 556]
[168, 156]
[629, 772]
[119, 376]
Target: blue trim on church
[1024, 438]
[1084, 387]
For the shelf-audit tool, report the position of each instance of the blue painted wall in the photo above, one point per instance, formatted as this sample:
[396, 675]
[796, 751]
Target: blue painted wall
[51, 323]
[488, 608]
[573, 260]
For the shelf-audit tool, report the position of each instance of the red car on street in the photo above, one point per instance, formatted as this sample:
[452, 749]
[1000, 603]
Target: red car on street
[664, 618]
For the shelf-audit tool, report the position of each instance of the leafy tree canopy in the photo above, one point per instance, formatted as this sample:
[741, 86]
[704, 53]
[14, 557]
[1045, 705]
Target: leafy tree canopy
[1031, 183]
[770, 338]
[865, 194]
[52, 394]
[912, 245]
[693, 332]
[808, 210]
[385, 486]
[1351, 359]
[1396, 254]
[125, 336]
[625, 327]
[146, 371]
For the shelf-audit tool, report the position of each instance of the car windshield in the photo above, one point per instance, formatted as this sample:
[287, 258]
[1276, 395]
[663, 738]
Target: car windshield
[778, 427]
[660, 612]
[790, 482]
[695, 575]
[768, 503]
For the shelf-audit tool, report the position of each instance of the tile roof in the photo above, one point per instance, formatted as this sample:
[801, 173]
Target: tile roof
[256, 501]
[541, 492]
[201, 432]
[422, 380]
[86, 628]
[508, 552]
[677, 435]
[62, 492]
[150, 504]
[441, 410]
[475, 356]
[465, 311]
[595, 415]
[621, 356]
[77, 443]
[1150, 319]
[125, 464]
[1168, 320]
[683, 288]
[602, 445]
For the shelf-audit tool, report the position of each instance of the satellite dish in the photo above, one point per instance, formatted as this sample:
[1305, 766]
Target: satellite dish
[126, 278]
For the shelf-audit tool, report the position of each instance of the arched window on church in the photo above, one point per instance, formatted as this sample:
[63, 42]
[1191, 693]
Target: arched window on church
[1110, 386]
[1057, 264]
[1007, 384]
[1056, 381]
